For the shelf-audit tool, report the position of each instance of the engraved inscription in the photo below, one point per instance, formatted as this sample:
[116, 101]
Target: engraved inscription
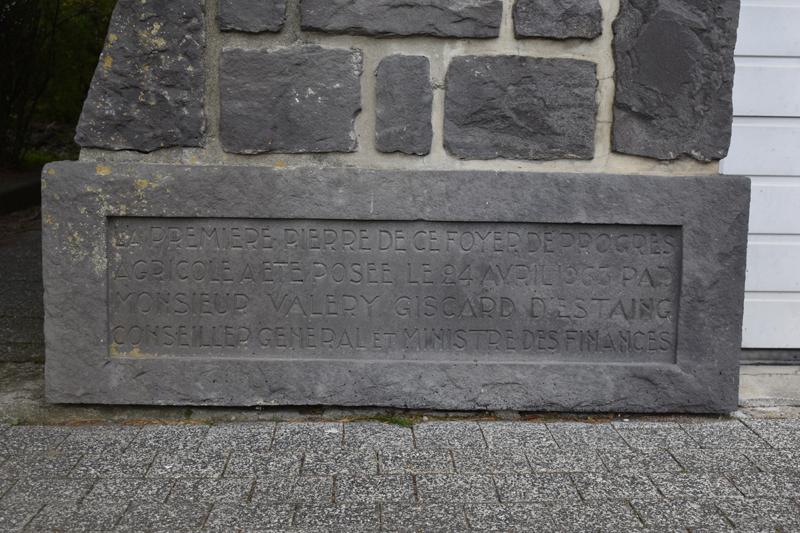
[323, 289]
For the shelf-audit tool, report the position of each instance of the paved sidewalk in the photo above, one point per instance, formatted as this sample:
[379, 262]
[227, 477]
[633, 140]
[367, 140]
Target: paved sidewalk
[676, 474]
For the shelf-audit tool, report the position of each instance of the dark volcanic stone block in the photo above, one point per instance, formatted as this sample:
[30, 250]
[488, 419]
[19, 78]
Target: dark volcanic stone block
[520, 108]
[148, 89]
[437, 18]
[674, 61]
[293, 100]
[450, 290]
[253, 16]
[558, 19]
[404, 97]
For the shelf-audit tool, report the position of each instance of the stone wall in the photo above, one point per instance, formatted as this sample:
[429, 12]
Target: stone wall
[616, 86]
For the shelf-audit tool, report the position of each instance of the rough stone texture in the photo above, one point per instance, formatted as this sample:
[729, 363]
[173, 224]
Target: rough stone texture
[252, 16]
[437, 18]
[520, 107]
[292, 100]
[558, 19]
[350, 499]
[674, 77]
[149, 86]
[699, 376]
[404, 99]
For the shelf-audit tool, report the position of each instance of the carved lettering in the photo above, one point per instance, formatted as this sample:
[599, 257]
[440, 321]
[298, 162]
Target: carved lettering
[392, 290]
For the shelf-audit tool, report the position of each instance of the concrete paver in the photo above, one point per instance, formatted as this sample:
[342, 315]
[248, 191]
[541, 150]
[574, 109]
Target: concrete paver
[439, 476]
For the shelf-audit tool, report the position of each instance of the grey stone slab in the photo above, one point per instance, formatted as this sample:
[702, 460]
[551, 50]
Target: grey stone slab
[182, 464]
[781, 434]
[775, 461]
[553, 516]
[15, 515]
[97, 439]
[705, 219]
[494, 107]
[386, 18]
[769, 513]
[439, 488]
[39, 465]
[517, 435]
[508, 517]
[427, 461]
[766, 484]
[252, 16]
[724, 434]
[5, 485]
[32, 439]
[169, 438]
[253, 437]
[535, 487]
[290, 100]
[294, 489]
[687, 112]
[164, 517]
[429, 518]
[359, 488]
[377, 436]
[131, 489]
[136, 102]
[655, 435]
[228, 490]
[558, 19]
[333, 462]
[309, 436]
[688, 513]
[70, 516]
[449, 435]
[565, 460]
[622, 460]
[117, 465]
[614, 485]
[47, 490]
[694, 485]
[249, 517]
[597, 516]
[713, 460]
[338, 517]
[252, 464]
[592, 436]
[486, 462]
[403, 105]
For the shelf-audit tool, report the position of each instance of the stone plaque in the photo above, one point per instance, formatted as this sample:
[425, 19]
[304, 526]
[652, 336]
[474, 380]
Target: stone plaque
[392, 290]
[453, 290]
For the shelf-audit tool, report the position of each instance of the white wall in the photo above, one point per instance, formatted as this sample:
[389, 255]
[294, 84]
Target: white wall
[766, 147]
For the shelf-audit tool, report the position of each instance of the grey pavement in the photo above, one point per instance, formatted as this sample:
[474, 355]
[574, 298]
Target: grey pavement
[548, 474]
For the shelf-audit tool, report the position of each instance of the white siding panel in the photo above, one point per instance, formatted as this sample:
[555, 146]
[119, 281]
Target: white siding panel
[775, 206]
[771, 321]
[773, 263]
[767, 87]
[769, 28]
[764, 147]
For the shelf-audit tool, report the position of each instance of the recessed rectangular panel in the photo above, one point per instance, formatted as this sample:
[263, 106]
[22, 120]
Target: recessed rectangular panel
[201, 285]
[310, 289]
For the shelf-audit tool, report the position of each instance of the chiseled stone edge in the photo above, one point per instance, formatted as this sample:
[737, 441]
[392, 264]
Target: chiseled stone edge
[645, 119]
[558, 24]
[77, 198]
[141, 67]
[476, 19]
[403, 105]
[251, 16]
